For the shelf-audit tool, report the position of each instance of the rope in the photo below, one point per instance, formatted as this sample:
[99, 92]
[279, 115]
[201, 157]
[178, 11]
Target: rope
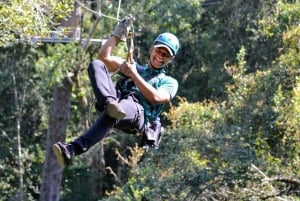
[118, 13]
[94, 12]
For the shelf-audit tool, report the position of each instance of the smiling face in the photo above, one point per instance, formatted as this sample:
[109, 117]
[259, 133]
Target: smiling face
[159, 57]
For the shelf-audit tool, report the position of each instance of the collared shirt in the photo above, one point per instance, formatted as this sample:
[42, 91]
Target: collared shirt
[159, 80]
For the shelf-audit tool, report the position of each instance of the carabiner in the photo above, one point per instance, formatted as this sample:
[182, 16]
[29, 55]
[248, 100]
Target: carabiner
[129, 39]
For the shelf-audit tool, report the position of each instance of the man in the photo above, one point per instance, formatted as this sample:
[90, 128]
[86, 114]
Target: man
[139, 98]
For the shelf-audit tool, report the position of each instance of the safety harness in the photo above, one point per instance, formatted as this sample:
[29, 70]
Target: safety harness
[127, 87]
[152, 129]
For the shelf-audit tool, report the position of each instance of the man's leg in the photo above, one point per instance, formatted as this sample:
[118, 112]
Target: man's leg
[104, 90]
[134, 119]
[65, 152]
[96, 133]
[105, 93]
[101, 82]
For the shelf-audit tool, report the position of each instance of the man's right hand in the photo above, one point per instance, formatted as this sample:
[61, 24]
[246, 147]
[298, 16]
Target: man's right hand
[122, 28]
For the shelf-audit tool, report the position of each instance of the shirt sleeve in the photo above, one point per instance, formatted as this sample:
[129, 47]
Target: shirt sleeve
[170, 84]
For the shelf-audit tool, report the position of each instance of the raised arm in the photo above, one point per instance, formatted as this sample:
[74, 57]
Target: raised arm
[105, 54]
[119, 34]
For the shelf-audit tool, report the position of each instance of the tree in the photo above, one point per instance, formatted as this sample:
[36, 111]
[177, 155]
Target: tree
[60, 109]
[243, 147]
[22, 111]
[59, 118]
[58, 121]
[241, 55]
[20, 21]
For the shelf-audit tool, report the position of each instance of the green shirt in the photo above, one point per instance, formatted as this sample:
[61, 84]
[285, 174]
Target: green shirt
[159, 80]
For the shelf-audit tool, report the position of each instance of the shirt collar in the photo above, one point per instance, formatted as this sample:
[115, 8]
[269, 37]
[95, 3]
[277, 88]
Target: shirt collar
[154, 70]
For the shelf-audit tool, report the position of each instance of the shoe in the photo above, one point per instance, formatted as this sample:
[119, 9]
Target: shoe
[114, 110]
[63, 153]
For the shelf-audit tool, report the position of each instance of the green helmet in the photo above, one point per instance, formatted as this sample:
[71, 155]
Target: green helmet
[169, 41]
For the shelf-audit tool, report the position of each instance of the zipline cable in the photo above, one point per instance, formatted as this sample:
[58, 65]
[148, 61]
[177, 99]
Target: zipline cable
[94, 12]
[130, 34]
[118, 12]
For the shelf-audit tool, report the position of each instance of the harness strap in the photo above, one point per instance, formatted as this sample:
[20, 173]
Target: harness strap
[129, 40]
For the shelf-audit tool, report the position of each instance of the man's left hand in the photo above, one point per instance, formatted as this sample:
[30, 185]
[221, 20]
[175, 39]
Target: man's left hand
[128, 69]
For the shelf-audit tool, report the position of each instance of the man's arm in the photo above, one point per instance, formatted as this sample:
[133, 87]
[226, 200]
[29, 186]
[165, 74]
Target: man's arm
[105, 54]
[114, 63]
[119, 33]
[153, 96]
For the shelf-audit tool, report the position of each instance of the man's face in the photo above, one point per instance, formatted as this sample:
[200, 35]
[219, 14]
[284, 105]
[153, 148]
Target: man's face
[159, 57]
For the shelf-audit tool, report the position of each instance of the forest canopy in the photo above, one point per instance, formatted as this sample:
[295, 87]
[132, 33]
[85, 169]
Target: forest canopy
[232, 132]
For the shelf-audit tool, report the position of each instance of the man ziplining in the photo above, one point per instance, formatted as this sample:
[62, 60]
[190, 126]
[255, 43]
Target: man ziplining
[137, 100]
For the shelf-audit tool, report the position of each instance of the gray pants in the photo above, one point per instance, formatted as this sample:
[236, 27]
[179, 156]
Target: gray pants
[104, 89]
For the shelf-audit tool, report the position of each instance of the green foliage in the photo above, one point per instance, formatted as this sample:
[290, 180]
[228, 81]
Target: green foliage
[242, 148]
[57, 62]
[226, 157]
[21, 20]
[240, 58]
[23, 95]
[193, 116]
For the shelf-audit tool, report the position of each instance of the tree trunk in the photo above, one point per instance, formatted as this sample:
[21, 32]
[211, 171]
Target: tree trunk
[18, 130]
[98, 168]
[73, 23]
[58, 121]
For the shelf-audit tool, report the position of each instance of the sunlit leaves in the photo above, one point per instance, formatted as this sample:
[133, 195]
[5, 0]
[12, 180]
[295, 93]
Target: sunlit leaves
[192, 115]
[60, 61]
[19, 20]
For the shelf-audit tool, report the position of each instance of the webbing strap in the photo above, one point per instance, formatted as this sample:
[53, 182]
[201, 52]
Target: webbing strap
[129, 40]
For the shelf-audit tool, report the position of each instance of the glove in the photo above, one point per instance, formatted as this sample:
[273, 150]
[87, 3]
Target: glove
[122, 28]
